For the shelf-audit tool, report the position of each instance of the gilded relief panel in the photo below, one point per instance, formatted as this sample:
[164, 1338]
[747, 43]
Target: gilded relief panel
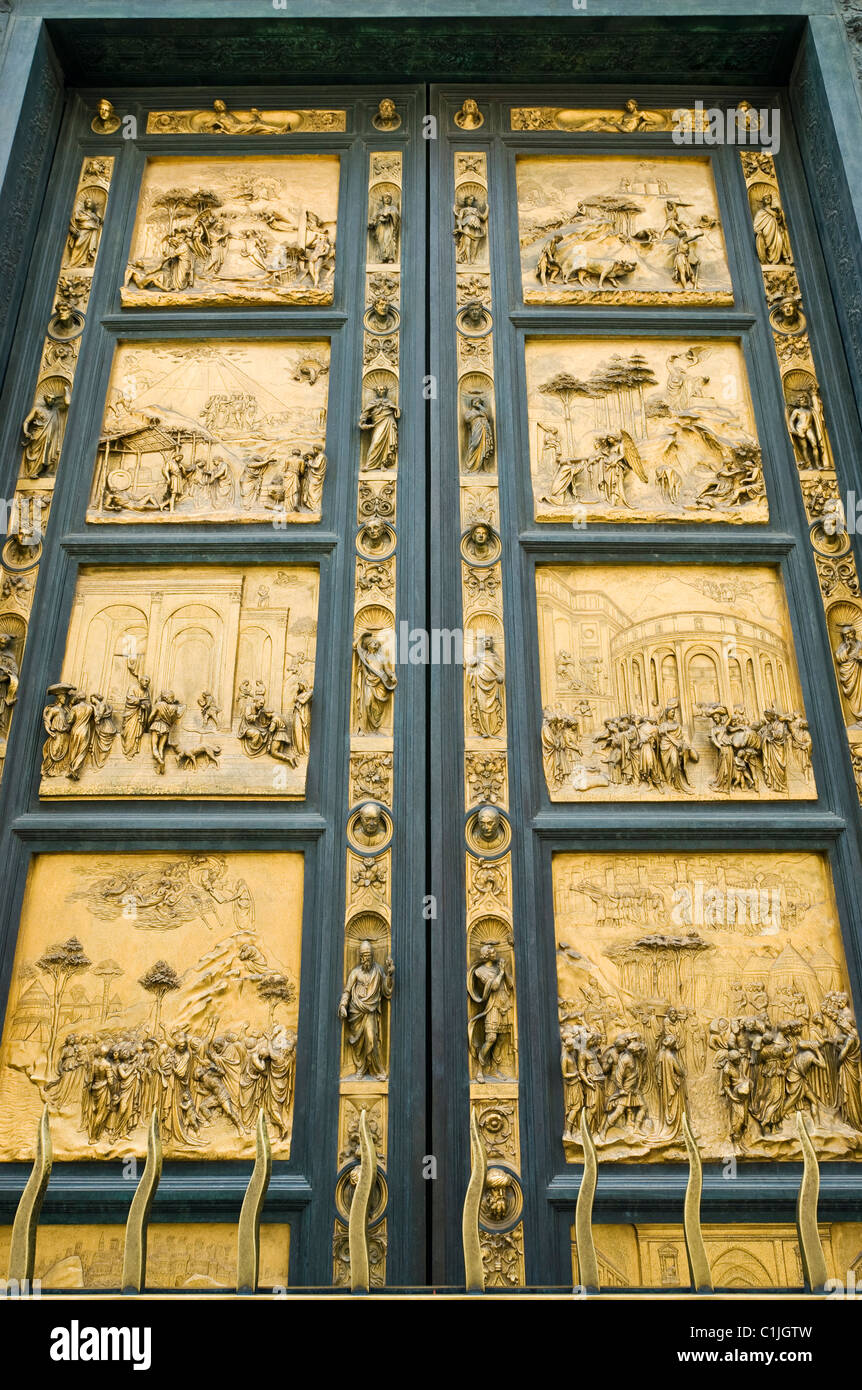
[709, 985]
[669, 682]
[228, 430]
[144, 982]
[182, 1255]
[224, 120]
[185, 681]
[642, 429]
[217, 230]
[618, 229]
[631, 119]
[744, 1256]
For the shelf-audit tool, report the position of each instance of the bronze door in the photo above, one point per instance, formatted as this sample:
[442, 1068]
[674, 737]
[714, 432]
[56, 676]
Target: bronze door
[642, 451]
[213, 885]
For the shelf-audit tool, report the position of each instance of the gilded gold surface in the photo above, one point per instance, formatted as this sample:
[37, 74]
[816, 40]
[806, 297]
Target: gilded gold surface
[199, 679]
[181, 1255]
[260, 230]
[166, 981]
[642, 429]
[744, 1256]
[621, 230]
[669, 682]
[226, 430]
[223, 120]
[492, 1040]
[44, 427]
[711, 984]
[629, 119]
[807, 430]
[369, 970]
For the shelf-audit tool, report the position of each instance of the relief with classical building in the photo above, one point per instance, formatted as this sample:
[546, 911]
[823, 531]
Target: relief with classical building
[144, 982]
[188, 682]
[260, 230]
[622, 230]
[180, 1255]
[669, 682]
[708, 985]
[741, 1256]
[642, 429]
[227, 430]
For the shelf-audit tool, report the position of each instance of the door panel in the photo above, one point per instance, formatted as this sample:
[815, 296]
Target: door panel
[578, 843]
[655, 730]
[207, 852]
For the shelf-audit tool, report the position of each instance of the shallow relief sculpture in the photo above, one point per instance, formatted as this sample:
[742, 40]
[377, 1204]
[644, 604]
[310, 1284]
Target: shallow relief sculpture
[659, 684]
[228, 430]
[222, 231]
[180, 1255]
[742, 1255]
[642, 429]
[712, 985]
[170, 983]
[221, 119]
[184, 682]
[621, 230]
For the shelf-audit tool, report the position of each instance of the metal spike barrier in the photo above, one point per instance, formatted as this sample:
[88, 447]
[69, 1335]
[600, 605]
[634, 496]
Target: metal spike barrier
[22, 1251]
[248, 1230]
[698, 1260]
[357, 1225]
[588, 1265]
[474, 1268]
[135, 1249]
[810, 1247]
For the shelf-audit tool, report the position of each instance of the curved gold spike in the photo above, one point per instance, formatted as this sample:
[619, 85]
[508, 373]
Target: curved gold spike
[248, 1230]
[474, 1269]
[811, 1250]
[22, 1251]
[588, 1265]
[698, 1260]
[357, 1224]
[135, 1250]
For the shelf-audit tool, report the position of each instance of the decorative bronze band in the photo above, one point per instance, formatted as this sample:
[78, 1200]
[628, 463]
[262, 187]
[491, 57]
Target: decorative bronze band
[369, 972]
[43, 429]
[492, 1035]
[806, 426]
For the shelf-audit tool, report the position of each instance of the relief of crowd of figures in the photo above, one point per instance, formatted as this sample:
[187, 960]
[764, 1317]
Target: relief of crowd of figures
[219, 231]
[206, 682]
[712, 986]
[657, 682]
[175, 990]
